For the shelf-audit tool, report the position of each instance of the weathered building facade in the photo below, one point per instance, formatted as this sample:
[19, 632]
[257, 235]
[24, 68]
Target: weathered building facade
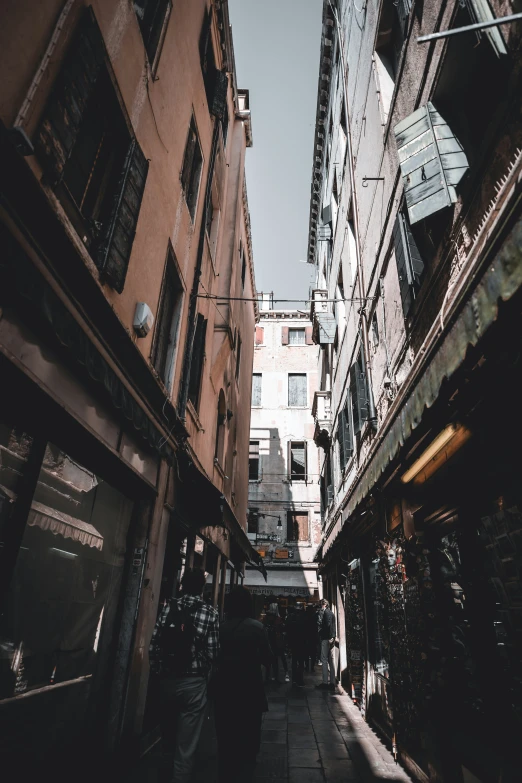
[283, 497]
[415, 232]
[126, 368]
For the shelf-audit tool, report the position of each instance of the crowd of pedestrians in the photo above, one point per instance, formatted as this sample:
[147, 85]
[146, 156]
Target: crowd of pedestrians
[198, 659]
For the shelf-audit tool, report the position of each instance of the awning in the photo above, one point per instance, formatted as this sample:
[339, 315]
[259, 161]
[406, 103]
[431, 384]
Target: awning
[58, 523]
[501, 280]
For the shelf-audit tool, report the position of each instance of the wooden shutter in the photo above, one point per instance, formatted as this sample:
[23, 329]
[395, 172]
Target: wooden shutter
[403, 265]
[260, 335]
[344, 436]
[63, 114]
[308, 335]
[284, 335]
[362, 389]
[114, 252]
[354, 402]
[256, 389]
[219, 97]
[432, 162]
[301, 522]
[297, 390]
[291, 532]
[196, 363]
[480, 11]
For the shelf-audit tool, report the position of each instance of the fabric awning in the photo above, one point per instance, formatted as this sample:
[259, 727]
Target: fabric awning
[501, 280]
[47, 518]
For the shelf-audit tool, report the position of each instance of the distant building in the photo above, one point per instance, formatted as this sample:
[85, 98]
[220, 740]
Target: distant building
[283, 498]
[125, 365]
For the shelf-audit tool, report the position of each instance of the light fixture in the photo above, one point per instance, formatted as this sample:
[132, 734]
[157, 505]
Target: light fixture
[439, 451]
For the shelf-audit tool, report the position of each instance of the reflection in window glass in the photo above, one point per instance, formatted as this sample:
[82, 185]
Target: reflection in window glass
[63, 597]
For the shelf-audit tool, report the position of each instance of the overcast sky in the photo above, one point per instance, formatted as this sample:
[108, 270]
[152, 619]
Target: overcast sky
[276, 44]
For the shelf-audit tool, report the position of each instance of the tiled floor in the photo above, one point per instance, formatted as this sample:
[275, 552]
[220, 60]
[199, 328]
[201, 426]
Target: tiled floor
[308, 736]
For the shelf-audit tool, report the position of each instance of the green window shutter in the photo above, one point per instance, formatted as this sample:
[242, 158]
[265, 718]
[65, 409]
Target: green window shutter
[480, 11]
[219, 97]
[63, 114]
[432, 162]
[115, 249]
[410, 265]
[198, 356]
[362, 390]
[344, 436]
[354, 402]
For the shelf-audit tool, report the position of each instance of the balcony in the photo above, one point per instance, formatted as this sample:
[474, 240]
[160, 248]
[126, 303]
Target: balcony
[322, 413]
[323, 318]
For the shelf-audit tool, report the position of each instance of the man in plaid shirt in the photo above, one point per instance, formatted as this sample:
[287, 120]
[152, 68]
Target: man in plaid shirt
[185, 692]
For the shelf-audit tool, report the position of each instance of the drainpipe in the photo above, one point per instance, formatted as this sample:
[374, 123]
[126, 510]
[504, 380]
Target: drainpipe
[372, 415]
[187, 358]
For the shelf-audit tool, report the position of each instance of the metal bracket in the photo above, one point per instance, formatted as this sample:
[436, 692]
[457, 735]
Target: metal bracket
[365, 180]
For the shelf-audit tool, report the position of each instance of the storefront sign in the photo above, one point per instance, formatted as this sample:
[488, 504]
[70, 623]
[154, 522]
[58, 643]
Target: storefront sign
[281, 554]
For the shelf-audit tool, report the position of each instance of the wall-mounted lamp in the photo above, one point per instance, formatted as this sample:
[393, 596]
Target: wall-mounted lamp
[447, 443]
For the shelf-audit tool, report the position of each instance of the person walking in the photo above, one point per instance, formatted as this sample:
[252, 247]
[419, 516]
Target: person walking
[296, 634]
[184, 648]
[275, 630]
[238, 692]
[327, 636]
[312, 638]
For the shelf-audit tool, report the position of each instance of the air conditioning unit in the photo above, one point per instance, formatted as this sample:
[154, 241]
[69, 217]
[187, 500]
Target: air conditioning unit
[143, 319]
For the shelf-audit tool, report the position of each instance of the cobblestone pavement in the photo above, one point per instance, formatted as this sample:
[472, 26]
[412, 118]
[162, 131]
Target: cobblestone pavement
[308, 736]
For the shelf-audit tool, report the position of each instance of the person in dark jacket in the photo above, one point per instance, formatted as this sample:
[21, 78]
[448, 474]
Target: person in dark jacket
[275, 630]
[327, 636]
[312, 638]
[296, 635]
[239, 694]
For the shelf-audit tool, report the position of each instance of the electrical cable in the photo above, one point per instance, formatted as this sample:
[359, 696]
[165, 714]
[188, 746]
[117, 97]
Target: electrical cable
[305, 301]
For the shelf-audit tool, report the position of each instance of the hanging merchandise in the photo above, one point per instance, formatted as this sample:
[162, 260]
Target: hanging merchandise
[355, 635]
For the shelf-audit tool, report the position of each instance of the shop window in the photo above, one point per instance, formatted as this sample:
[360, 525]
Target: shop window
[410, 266]
[197, 361]
[253, 461]
[219, 451]
[62, 603]
[153, 16]
[297, 392]
[358, 394]
[90, 157]
[344, 437]
[297, 461]
[257, 379]
[167, 323]
[296, 526]
[191, 171]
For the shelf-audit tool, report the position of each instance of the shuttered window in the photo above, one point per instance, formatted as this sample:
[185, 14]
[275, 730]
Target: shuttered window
[215, 81]
[253, 520]
[344, 437]
[253, 461]
[191, 171]
[480, 11]
[152, 18]
[297, 526]
[432, 162]
[358, 394]
[198, 357]
[88, 155]
[256, 389]
[410, 265]
[167, 324]
[238, 358]
[297, 396]
[297, 460]
[296, 337]
[260, 335]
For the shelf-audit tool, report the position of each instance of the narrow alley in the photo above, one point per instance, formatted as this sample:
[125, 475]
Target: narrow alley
[308, 736]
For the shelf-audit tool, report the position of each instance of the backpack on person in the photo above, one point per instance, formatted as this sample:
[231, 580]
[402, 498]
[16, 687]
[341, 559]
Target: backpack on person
[178, 639]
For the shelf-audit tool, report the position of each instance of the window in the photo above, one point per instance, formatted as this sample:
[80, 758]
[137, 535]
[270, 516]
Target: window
[152, 17]
[215, 81]
[297, 396]
[90, 156]
[191, 172]
[167, 323]
[375, 330]
[242, 260]
[238, 357]
[297, 460]
[358, 394]
[253, 461]
[410, 266]
[219, 450]
[253, 521]
[260, 335]
[326, 484]
[296, 526]
[296, 337]
[198, 357]
[256, 389]
[344, 437]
